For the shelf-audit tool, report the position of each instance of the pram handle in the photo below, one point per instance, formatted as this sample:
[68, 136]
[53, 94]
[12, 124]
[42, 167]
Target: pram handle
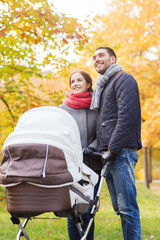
[97, 154]
[96, 202]
[102, 155]
[106, 165]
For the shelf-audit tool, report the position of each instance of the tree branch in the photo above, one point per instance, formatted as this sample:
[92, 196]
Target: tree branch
[23, 92]
[9, 110]
[20, 70]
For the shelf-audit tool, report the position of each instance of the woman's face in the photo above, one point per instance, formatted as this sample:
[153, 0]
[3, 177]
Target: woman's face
[78, 83]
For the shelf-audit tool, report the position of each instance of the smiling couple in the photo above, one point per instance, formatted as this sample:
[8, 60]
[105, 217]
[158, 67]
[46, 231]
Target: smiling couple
[109, 119]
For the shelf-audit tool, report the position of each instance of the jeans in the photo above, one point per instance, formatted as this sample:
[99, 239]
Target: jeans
[121, 185]
[73, 232]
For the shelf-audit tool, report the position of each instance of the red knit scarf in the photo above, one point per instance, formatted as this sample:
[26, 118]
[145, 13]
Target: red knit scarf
[79, 100]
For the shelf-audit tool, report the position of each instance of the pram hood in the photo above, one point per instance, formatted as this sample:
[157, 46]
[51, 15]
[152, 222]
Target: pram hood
[45, 125]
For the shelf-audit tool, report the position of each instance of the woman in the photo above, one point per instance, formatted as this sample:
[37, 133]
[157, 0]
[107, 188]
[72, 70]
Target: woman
[77, 104]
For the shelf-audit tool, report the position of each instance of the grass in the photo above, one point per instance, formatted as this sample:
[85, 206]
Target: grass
[107, 223]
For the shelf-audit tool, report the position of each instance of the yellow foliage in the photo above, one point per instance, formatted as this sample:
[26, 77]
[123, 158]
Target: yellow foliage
[139, 174]
[132, 29]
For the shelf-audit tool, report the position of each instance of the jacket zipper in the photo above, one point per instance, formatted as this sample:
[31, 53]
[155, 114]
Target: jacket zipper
[45, 162]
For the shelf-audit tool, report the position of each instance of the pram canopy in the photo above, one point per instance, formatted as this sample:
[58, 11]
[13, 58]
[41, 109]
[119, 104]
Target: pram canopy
[44, 152]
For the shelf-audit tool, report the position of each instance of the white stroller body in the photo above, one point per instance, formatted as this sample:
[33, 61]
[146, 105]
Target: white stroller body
[42, 163]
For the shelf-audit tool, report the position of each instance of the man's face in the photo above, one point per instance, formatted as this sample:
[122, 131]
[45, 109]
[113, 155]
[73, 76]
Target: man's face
[102, 60]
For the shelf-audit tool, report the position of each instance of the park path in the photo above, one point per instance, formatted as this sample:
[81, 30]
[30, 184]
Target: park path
[155, 187]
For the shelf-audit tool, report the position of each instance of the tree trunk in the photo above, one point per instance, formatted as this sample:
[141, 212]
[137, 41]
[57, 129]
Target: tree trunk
[150, 164]
[145, 160]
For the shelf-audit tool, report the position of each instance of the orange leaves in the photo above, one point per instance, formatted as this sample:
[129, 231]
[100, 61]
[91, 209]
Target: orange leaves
[64, 40]
[70, 37]
[151, 116]
[132, 29]
[19, 14]
[2, 32]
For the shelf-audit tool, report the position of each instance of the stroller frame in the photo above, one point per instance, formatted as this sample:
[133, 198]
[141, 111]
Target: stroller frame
[77, 217]
[47, 135]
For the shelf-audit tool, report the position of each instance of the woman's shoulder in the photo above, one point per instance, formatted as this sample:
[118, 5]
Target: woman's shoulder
[62, 106]
[65, 107]
[71, 110]
[88, 110]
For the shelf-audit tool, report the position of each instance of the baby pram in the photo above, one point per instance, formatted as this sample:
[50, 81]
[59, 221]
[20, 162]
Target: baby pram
[42, 163]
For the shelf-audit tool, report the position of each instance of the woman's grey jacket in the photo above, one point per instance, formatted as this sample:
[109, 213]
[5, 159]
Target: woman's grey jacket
[119, 120]
[86, 120]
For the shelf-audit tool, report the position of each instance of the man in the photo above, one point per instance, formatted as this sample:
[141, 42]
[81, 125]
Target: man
[119, 133]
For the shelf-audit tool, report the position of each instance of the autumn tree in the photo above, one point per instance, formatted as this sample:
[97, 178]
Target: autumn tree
[33, 35]
[132, 29]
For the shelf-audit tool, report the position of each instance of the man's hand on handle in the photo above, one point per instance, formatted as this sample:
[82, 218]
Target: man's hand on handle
[108, 156]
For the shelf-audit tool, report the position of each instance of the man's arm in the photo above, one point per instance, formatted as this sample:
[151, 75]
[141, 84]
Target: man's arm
[128, 103]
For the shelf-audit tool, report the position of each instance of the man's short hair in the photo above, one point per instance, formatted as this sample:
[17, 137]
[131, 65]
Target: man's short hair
[110, 51]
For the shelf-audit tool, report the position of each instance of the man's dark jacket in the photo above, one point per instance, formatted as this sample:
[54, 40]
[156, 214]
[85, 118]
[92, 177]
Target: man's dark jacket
[119, 121]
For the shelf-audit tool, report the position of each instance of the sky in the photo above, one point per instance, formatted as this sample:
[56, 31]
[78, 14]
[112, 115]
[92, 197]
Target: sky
[80, 8]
